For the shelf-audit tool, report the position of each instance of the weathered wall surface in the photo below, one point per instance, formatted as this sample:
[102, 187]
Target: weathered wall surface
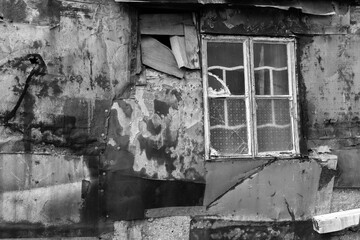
[158, 131]
[80, 131]
[330, 68]
[155, 139]
[51, 124]
[87, 128]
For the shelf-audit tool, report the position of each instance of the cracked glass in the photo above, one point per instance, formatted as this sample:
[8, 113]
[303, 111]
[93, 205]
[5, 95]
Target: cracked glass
[251, 99]
[228, 126]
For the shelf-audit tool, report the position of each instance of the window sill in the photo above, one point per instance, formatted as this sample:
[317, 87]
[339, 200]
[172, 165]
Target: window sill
[240, 158]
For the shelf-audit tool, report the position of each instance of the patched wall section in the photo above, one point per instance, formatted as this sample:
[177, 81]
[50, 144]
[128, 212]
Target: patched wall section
[61, 64]
[160, 127]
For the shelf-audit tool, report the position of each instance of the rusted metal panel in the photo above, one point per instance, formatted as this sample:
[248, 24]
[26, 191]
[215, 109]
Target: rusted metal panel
[47, 191]
[278, 191]
[127, 196]
[26, 171]
[273, 22]
[222, 175]
[329, 67]
[348, 168]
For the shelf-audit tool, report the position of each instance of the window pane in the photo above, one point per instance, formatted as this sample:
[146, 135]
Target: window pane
[228, 128]
[269, 54]
[226, 67]
[262, 82]
[270, 69]
[281, 83]
[217, 112]
[274, 131]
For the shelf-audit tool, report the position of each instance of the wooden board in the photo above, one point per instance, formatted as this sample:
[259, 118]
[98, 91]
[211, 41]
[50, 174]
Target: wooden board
[337, 221]
[192, 46]
[159, 57]
[178, 49]
[185, 49]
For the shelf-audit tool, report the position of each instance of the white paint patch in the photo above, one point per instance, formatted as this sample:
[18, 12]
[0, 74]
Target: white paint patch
[139, 97]
[124, 123]
[112, 142]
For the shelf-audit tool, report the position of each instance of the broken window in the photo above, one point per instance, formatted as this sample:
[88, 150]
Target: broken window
[169, 42]
[250, 96]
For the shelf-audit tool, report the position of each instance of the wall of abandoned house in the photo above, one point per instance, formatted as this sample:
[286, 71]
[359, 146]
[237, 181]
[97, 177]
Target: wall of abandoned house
[99, 136]
[50, 146]
[82, 139]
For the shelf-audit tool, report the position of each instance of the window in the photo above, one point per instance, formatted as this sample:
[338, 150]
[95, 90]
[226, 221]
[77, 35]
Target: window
[249, 96]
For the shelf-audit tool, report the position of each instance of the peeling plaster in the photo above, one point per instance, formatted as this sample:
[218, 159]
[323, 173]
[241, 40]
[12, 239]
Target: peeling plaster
[164, 128]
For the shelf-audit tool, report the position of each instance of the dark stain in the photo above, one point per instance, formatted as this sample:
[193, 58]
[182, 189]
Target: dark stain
[38, 230]
[326, 176]
[115, 160]
[302, 46]
[49, 10]
[154, 130]
[177, 94]
[126, 108]
[319, 59]
[126, 196]
[77, 78]
[90, 57]
[25, 99]
[49, 88]
[73, 12]
[102, 82]
[161, 108]
[28, 118]
[191, 173]
[115, 129]
[85, 187]
[60, 65]
[37, 44]
[161, 153]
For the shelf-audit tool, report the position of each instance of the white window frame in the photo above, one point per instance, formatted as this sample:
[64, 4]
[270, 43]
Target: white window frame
[250, 95]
